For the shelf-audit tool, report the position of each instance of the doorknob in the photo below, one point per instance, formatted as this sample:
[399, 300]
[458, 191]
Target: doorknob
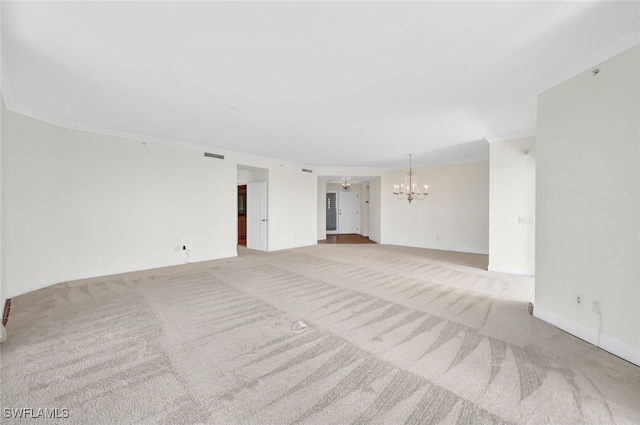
[264, 219]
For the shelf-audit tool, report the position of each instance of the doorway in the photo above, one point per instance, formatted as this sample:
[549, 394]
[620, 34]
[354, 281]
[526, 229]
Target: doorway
[352, 211]
[242, 215]
[252, 201]
[331, 204]
[348, 212]
[342, 212]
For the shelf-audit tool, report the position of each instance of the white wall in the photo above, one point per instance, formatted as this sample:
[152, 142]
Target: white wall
[322, 210]
[3, 289]
[80, 204]
[363, 194]
[587, 204]
[252, 175]
[293, 207]
[292, 201]
[512, 195]
[244, 176]
[375, 210]
[455, 215]
[364, 209]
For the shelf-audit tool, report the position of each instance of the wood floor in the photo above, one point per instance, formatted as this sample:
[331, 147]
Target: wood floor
[350, 239]
[345, 239]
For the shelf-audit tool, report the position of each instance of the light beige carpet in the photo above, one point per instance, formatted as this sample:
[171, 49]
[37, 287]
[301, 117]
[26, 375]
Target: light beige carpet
[395, 336]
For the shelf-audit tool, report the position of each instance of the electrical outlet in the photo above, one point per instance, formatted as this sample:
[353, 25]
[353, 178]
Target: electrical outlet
[596, 306]
[579, 300]
[184, 247]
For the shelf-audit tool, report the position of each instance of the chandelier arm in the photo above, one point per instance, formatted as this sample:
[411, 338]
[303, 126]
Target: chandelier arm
[410, 189]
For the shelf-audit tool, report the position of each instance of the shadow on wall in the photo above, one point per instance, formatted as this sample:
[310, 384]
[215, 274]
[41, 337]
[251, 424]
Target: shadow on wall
[477, 150]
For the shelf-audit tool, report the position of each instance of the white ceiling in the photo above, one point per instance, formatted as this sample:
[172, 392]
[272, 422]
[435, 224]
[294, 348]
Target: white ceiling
[336, 84]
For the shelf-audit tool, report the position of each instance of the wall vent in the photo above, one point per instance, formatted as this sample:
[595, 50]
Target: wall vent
[306, 170]
[213, 155]
[7, 309]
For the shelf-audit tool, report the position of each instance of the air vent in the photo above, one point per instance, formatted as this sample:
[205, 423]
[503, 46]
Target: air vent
[7, 309]
[306, 170]
[213, 155]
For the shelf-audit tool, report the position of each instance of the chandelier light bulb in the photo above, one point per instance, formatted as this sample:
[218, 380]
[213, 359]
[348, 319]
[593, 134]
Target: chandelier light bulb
[410, 189]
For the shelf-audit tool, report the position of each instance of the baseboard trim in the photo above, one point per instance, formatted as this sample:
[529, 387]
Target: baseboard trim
[282, 248]
[119, 271]
[437, 247]
[510, 270]
[589, 335]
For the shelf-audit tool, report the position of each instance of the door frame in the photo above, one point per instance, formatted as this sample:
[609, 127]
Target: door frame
[242, 219]
[263, 220]
[337, 231]
[354, 200]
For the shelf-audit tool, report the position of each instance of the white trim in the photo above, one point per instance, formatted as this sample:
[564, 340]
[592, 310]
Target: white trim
[589, 335]
[585, 63]
[510, 270]
[337, 231]
[463, 250]
[510, 136]
[483, 158]
[318, 170]
[282, 248]
[118, 271]
[374, 172]
[28, 112]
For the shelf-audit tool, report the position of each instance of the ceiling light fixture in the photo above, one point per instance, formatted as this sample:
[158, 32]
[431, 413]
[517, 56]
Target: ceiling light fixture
[410, 189]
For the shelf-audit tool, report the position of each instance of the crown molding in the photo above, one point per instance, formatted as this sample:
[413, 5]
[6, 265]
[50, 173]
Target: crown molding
[160, 141]
[375, 172]
[511, 136]
[591, 60]
[450, 162]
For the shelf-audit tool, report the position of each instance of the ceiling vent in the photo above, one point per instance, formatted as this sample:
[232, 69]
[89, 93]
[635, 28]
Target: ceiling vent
[213, 155]
[306, 170]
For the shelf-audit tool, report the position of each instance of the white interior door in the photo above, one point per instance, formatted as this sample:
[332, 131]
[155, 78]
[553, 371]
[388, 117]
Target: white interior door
[348, 212]
[257, 216]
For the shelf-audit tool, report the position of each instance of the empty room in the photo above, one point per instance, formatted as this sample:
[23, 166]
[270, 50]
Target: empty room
[320, 212]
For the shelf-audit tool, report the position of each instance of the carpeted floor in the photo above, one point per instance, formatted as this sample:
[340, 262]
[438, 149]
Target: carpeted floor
[394, 336]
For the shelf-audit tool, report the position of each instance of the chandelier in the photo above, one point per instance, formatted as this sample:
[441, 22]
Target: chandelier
[346, 185]
[410, 189]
